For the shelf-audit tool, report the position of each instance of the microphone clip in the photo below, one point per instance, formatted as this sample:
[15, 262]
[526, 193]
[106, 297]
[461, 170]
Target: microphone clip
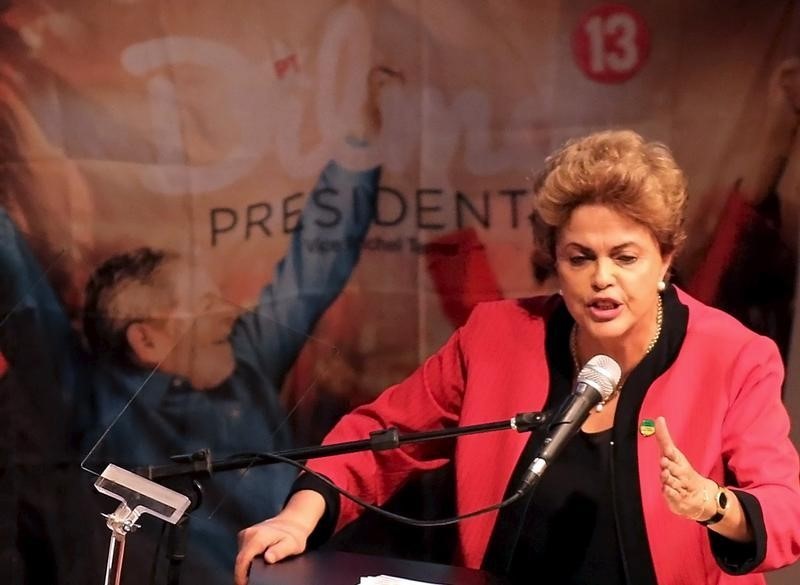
[527, 421]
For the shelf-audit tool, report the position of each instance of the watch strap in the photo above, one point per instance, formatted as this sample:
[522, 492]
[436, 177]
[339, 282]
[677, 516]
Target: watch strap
[713, 520]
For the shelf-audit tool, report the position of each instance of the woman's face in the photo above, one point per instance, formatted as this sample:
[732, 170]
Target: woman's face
[609, 267]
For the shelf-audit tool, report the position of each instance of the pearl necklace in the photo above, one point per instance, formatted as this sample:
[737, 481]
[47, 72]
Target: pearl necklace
[573, 347]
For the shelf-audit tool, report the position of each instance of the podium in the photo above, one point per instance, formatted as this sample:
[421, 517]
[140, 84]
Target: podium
[340, 568]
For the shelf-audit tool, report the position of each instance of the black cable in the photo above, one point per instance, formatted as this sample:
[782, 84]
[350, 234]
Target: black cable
[387, 514]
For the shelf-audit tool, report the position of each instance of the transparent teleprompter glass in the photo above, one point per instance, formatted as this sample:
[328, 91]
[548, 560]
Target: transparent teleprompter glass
[223, 386]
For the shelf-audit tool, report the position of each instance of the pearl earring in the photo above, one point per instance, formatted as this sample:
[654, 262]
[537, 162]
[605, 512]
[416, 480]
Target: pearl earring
[661, 286]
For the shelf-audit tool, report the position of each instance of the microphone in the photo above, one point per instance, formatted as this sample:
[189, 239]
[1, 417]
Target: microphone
[595, 383]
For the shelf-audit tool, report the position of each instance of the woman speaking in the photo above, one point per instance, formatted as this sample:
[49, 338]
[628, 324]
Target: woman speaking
[685, 475]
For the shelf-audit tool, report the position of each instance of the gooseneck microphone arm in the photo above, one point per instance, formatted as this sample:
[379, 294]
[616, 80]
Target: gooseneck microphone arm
[200, 464]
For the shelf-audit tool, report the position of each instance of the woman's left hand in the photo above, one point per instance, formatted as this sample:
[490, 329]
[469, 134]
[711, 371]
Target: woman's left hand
[686, 492]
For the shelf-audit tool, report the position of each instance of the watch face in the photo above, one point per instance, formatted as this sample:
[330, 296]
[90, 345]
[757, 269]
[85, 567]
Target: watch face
[722, 499]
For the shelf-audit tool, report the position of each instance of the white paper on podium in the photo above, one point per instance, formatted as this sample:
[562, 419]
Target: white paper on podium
[387, 580]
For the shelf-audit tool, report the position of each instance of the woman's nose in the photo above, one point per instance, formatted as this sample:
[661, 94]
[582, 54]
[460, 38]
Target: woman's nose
[603, 275]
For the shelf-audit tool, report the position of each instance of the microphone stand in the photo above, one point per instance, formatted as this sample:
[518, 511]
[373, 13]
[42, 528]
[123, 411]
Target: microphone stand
[200, 464]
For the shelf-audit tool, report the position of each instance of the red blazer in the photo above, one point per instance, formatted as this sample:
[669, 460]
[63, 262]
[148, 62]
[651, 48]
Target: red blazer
[721, 398]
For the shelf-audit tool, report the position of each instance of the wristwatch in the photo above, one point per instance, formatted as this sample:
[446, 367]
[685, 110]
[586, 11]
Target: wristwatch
[721, 499]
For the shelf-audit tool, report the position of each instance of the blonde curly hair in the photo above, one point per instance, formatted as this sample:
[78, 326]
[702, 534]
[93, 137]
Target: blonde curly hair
[617, 168]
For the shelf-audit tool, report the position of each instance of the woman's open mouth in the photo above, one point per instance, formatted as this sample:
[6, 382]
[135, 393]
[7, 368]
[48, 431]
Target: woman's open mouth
[604, 309]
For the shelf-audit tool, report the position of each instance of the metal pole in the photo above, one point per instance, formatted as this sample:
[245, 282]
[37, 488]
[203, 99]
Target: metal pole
[116, 553]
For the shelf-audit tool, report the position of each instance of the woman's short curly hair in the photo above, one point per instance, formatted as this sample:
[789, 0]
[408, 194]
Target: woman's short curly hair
[617, 168]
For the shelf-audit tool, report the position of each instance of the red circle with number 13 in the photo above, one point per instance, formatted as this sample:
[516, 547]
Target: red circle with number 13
[611, 43]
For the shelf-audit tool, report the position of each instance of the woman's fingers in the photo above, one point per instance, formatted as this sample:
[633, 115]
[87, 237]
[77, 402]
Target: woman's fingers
[664, 438]
[684, 489]
[270, 540]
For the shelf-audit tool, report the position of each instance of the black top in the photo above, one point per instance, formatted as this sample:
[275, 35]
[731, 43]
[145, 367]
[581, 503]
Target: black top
[568, 534]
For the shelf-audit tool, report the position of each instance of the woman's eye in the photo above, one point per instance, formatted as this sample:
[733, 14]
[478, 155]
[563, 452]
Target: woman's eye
[626, 259]
[578, 260]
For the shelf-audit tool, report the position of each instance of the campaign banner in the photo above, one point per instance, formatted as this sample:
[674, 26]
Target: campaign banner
[225, 224]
